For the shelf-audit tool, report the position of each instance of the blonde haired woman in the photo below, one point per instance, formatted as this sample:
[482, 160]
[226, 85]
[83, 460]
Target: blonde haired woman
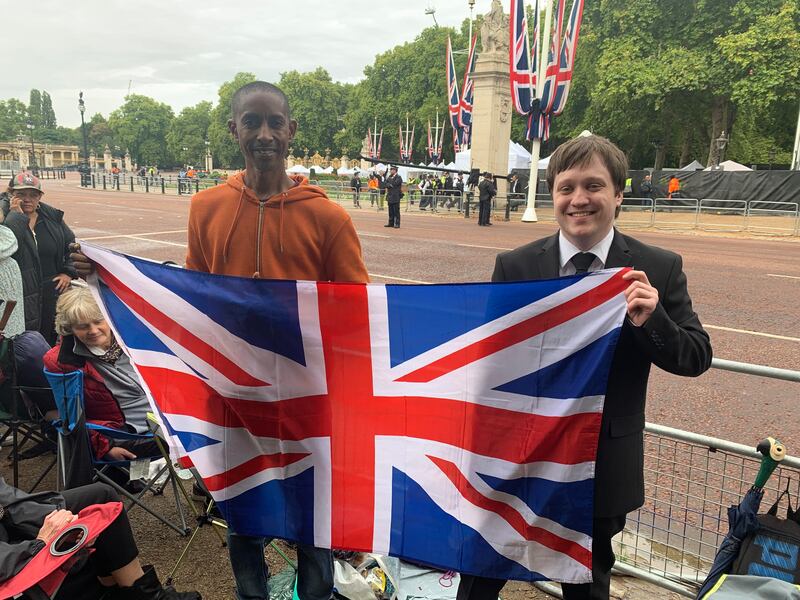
[112, 392]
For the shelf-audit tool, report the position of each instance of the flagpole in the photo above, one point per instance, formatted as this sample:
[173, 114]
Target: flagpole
[529, 216]
[796, 153]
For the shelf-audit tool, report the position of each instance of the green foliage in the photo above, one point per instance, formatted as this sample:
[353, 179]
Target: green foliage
[35, 108]
[187, 135]
[13, 115]
[140, 126]
[223, 146]
[48, 114]
[318, 104]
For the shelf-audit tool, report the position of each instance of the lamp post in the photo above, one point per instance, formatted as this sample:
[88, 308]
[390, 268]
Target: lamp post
[84, 168]
[34, 170]
[721, 142]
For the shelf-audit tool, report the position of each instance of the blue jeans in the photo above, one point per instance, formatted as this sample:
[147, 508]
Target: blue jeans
[314, 569]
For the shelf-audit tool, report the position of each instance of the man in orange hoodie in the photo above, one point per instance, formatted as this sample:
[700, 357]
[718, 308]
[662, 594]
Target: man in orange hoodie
[263, 223]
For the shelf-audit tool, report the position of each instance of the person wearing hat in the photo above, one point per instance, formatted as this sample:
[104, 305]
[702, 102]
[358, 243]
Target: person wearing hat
[394, 191]
[43, 240]
[487, 190]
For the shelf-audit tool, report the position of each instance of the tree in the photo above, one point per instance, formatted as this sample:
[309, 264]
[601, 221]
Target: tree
[223, 146]
[13, 117]
[318, 104]
[140, 126]
[35, 108]
[48, 114]
[188, 132]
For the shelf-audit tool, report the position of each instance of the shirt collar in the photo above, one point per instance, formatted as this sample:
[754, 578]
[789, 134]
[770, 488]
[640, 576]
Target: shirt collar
[566, 249]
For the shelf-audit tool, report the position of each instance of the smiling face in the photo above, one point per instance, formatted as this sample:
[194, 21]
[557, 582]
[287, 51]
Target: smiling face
[95, 332]
[28, 199]
[264, 130]
[585, 202]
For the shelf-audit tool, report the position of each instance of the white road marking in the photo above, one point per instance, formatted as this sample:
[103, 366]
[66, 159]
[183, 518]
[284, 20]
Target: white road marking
[377, 235]
[398, 278]
[144, 239]
[485, 247]
[758, 333]
[127, 235]
[786, 276]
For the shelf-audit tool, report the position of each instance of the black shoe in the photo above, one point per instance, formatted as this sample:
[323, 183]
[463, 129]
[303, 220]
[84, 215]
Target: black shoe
[388, 225]
[487, 224]
[148, 587]
[397, 226]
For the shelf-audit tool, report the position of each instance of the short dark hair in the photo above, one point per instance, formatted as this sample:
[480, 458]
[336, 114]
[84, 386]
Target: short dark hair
[580, 152]
[257, 86]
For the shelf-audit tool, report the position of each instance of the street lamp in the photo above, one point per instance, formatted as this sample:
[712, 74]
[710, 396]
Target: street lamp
[34, 170]
[721, 142]
[84, 168]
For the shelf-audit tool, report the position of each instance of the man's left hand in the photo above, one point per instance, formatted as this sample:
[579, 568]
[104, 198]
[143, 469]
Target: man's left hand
[642, 298]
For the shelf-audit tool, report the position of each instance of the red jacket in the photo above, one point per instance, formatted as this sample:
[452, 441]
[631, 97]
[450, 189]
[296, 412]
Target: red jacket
[100, 406]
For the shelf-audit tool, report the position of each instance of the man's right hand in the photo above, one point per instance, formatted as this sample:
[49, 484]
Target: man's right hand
[82, 264]
[119, 453]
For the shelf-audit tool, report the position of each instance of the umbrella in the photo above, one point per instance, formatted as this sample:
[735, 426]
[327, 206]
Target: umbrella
[743, 519]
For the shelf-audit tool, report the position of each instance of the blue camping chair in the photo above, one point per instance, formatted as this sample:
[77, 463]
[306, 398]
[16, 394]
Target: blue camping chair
[77, 464]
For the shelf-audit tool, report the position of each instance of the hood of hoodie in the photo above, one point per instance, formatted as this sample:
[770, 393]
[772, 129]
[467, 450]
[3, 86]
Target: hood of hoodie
[301, 191]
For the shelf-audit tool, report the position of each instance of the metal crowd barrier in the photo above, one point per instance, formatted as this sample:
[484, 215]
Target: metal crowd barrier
[690, 481]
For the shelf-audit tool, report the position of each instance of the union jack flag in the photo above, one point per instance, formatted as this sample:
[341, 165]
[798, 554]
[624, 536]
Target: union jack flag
[519, 58]
[468, 89]
[455, 425]
[567, 61]
[452, 88]
[553, 61]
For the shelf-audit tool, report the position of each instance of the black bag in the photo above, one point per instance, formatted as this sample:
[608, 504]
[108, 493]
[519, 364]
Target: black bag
[773, 550]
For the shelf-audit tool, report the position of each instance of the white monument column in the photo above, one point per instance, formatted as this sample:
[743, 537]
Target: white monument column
[491, 113]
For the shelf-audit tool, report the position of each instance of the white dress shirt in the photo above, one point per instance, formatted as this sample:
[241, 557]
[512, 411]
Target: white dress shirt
[566, 250]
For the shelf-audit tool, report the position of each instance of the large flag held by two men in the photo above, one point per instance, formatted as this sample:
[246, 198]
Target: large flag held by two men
[455, 425]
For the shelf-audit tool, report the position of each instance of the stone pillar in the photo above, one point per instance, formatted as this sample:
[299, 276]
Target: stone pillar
[93, 160]
[491, 115]
[344, 161]
[48, 157]
[128, 163]
[107, 158]
[209, 162]
[24, 158]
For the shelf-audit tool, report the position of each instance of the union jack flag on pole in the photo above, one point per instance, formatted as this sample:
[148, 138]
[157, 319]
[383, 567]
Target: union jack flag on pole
[453, 425]
[553, 61]
[468, 89]
[567, 57]
[522, 92]
[454, 104]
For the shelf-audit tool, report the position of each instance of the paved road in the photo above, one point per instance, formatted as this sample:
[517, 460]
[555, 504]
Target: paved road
[746, 291]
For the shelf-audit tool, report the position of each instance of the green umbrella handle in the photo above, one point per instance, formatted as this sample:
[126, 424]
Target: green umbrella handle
[773, 452]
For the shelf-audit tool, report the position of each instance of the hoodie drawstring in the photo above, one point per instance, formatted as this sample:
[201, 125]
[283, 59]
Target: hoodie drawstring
[280, 226]
[229, 237]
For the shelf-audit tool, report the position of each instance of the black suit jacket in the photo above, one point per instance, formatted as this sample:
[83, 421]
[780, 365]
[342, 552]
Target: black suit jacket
[672, 339]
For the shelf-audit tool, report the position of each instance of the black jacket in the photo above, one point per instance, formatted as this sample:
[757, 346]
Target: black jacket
[487, 189]
[672, 339]
[394, 190]
[27, 256]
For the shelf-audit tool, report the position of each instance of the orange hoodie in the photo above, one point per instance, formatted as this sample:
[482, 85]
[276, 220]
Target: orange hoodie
[298, 234]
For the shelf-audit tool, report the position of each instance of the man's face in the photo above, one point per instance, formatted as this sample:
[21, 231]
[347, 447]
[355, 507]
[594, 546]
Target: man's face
[585, 201]
[28, 199]
[263, 129]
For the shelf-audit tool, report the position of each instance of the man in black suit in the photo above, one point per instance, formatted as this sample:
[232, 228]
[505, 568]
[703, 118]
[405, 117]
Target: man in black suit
[488, 190]
[394, 192]
[586, 178]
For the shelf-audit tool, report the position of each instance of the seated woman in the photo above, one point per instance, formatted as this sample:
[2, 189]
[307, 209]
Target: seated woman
[112, 392]
[30, 522]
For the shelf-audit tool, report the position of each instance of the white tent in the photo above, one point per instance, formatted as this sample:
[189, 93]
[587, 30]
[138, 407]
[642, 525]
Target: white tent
[730, 165]
[298, 169]
[518, 158]
[693, 166]
[348, 172]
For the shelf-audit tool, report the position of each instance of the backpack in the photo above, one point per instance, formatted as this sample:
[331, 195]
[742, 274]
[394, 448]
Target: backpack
[773, 550]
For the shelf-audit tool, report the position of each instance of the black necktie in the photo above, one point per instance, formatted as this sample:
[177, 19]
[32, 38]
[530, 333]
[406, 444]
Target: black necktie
[582, 262]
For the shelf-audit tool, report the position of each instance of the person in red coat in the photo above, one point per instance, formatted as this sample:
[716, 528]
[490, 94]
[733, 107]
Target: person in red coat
[112, 392]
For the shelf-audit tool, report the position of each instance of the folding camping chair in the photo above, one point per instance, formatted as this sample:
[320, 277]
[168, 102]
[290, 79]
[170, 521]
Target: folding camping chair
[206, 516]
[75, 454]
[23, 421]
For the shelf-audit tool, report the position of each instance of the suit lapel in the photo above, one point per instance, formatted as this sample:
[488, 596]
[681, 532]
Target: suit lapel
[548, 262]
[619, 255]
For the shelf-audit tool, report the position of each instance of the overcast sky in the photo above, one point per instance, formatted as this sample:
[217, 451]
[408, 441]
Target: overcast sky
[180, 52]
